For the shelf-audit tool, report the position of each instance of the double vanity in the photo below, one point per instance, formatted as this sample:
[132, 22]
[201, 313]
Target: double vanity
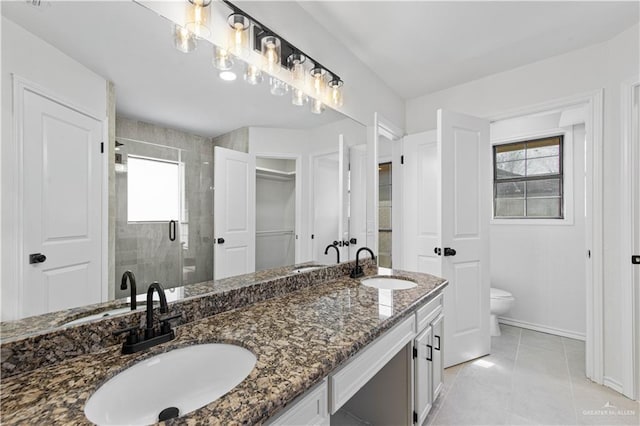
[303, 348]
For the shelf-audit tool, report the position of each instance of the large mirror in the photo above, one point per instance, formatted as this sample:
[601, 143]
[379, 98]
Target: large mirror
[192, 178]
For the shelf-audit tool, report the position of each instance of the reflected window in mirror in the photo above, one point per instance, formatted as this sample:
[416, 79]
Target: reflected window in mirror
[153, 190]
[384, 215]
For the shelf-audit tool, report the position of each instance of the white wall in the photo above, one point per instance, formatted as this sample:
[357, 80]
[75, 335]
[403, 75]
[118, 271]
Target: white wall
[31, 58]
[604, 65]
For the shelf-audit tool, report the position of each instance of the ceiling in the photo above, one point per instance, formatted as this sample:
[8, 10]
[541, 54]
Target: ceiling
[132, 46]
[421, 47]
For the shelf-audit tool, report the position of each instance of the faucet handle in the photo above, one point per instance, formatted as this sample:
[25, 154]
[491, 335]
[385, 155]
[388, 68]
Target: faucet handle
[165, 325]
[133, 336]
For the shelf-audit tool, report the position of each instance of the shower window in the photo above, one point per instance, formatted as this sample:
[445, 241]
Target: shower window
[153, 190]
[528, 179]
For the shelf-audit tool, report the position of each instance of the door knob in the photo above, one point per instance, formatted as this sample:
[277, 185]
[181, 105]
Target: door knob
[37, 258]
[635, 259]
[438, 251]
[449, 251]
[220, 240]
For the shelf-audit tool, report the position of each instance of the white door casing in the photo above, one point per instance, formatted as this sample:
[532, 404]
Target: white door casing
[234, 218]
[343, 197]
[465, 201]
[62, 204]
[325, 206]
[357, 198]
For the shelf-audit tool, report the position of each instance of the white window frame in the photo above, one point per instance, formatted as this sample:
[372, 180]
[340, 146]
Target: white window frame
[568, 178]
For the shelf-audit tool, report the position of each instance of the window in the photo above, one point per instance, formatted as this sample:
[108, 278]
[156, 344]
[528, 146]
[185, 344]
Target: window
[153, 190]
[528, 179]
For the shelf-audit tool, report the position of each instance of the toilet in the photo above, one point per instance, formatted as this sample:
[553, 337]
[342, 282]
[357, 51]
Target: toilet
[501, 302]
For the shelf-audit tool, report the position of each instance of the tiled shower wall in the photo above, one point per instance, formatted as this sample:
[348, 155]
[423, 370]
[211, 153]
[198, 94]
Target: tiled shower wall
[144, 248]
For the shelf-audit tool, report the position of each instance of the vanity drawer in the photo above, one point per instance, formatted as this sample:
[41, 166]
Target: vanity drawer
[344, 383]
[309, 408]
[428, 312]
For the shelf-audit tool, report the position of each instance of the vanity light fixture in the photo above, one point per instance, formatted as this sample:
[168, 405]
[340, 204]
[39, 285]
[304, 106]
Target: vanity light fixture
[271, 52]
[222, 59]
[198, 17]
[184, 40]
[317, 106]
[252, 74]
[238, 34]
[335, 91]
[318, 82]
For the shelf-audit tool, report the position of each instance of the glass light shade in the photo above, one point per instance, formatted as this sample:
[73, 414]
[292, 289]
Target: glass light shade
[298, 97]
[222, 59]
[335, 92]
[295, 63]
[238, 34]
[252, 74]
[318, 82]
[271, 50]
[198, 17]
[317, 106]
[278, 87]
[184, 40]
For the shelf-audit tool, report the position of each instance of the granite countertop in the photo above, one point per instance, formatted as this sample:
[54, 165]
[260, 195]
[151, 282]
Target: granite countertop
[297, 338]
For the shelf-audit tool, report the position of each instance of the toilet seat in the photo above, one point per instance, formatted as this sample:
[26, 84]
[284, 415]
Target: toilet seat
[497, 293]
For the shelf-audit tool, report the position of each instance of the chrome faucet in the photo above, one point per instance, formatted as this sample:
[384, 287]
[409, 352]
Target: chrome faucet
[357, 272]
[151, 337]
[132, 285]
[326, 251]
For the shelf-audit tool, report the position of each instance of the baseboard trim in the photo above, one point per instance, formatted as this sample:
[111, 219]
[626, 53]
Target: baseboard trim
[542, 328]
[613, 384]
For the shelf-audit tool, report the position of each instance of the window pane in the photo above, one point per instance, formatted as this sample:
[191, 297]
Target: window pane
[543, 148]
[543, 166]
[506, 207]
[384, 217]
[543, 207]
[510, 190]
[510, 152]
[510, 169]
[542, 188]
[153, 190]
[385, 194]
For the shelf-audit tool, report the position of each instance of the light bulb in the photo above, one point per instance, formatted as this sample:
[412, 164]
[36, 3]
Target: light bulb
[253, 74]
[198, 16]
[270, 48]
[318, 82]
[335, 92]
[183, 39]
[238, 36]
[317, 107]
[222, 59]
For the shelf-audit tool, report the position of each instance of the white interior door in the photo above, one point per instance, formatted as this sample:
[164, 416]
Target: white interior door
[465, 194]
[420, 200]
[62, 175]
[234, 219]
[357, 199]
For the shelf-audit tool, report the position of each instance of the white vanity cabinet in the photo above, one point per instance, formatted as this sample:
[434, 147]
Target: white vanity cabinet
[394, 380]
[427, 358]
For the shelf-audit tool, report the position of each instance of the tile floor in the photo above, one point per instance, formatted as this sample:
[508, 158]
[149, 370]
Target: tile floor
[530, 378]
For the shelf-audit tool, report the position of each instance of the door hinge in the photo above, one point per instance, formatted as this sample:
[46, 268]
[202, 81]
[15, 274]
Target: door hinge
[415, 417]
[102, 147]
[402, 159]
[415, 352]
[589, 254]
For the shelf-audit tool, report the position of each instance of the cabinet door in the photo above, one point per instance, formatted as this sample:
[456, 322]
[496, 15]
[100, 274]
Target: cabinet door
[309, 409]
[423, 375]
[437, 327]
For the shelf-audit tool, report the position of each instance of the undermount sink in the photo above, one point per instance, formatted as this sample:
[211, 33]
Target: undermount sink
[184, 379]
[389, 283]
[306, 269]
